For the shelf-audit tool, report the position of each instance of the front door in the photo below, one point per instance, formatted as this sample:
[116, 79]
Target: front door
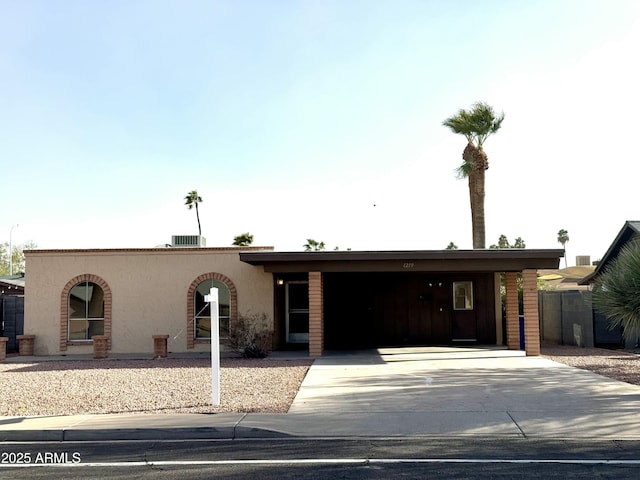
[436, 311]
[297, 311]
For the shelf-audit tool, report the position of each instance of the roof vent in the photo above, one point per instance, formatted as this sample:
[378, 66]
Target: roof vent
[188, 241]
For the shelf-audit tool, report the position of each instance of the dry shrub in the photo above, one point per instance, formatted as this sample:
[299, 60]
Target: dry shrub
[252, 335]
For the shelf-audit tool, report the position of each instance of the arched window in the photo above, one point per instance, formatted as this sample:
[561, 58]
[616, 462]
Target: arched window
[202, 311]
[85, 311]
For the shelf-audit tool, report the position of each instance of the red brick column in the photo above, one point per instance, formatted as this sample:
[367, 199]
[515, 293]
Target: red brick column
[316, 315]
[513, 325]
[531, 319]
[100, 346]
[3, 348]
[26, 345]
[160, 346]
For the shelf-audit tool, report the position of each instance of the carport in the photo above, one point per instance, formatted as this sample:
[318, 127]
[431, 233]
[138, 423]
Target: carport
[365, 299]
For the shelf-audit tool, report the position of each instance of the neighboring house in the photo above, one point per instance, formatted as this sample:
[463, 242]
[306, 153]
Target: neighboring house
[12, 309]
[313, 300]
[630, 232]
[565, 278]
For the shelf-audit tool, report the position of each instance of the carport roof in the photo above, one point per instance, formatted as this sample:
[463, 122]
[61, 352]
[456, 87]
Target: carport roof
[487, 260]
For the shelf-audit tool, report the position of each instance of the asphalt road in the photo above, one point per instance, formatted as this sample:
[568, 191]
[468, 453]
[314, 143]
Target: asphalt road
[320, 459]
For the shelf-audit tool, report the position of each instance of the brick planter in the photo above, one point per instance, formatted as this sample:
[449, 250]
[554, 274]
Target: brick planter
[25, 345]
[160, 346]
[100, 346]
[3, 348]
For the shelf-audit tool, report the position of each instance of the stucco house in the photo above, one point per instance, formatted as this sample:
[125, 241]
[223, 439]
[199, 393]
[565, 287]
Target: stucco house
[313, 300]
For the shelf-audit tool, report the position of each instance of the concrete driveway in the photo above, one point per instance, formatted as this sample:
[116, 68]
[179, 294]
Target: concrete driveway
[461, 391]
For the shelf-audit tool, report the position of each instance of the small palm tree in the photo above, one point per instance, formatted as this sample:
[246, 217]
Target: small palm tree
[563, 238]
[313, 245]
[503, 242]
[452, 246]
[616, 293]
[475, 125]
[519, 243]
[192, 199]
[243, 240]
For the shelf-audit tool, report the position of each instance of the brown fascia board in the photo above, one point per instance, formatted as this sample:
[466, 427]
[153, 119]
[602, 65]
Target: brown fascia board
[418, 260]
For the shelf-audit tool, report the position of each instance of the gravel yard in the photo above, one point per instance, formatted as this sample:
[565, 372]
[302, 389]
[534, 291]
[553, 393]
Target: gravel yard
[618, 364]
[72, 387]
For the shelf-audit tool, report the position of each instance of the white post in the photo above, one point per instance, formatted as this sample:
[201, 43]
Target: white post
[212, 298]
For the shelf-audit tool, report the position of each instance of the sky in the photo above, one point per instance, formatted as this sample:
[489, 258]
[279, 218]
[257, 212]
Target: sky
[315, 119]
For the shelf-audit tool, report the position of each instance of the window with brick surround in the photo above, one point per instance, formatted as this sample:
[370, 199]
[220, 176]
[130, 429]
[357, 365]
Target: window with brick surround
[202, 309]
[85, 311]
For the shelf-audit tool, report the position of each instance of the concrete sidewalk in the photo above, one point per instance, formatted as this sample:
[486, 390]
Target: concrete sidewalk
[413, 392]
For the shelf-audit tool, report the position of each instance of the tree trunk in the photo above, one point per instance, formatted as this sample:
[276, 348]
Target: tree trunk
[198, 217]
[478, 160]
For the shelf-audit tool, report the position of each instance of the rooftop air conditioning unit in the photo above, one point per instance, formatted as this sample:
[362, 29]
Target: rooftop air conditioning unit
[582, 260]
[192, 241]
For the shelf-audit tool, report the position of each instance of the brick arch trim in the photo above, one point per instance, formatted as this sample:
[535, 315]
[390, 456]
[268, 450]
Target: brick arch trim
[233, 310]
[64, 307]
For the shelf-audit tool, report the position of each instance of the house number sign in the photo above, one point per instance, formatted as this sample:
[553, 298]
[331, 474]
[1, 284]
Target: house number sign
[408, 265]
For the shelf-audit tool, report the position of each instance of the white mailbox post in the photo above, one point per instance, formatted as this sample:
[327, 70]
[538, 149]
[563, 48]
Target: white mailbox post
[212, 298]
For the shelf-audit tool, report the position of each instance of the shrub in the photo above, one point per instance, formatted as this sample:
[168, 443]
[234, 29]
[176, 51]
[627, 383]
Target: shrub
[251, 336]
[617, 292]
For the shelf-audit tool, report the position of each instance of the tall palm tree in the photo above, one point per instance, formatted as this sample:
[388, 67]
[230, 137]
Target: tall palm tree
[563, 238]
[476, 124]
[192, 199]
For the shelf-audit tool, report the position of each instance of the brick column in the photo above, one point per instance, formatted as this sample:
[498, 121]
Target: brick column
[316, 315]
[26, 345]
[100, 346]
[531, 319]
[3, 348]
[513, 325]
[160, 346]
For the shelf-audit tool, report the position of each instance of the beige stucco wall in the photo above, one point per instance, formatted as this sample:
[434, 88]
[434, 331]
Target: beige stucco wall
[149, 293]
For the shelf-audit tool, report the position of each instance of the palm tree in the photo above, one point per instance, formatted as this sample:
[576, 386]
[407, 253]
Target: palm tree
[313, 245]
[519, 243]
[503, 242]
[563, 238]
[476, 125]
[243, 240]
[192, 199]
[452, 246]
[617, 291]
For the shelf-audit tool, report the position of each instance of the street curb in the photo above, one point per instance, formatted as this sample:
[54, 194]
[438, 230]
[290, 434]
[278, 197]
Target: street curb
[133, 434]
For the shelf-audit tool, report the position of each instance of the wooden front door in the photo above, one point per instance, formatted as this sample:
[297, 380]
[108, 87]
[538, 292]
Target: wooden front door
[413, 310]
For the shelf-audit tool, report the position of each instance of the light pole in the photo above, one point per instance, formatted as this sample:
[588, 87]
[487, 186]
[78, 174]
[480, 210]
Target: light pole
[10, 249]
